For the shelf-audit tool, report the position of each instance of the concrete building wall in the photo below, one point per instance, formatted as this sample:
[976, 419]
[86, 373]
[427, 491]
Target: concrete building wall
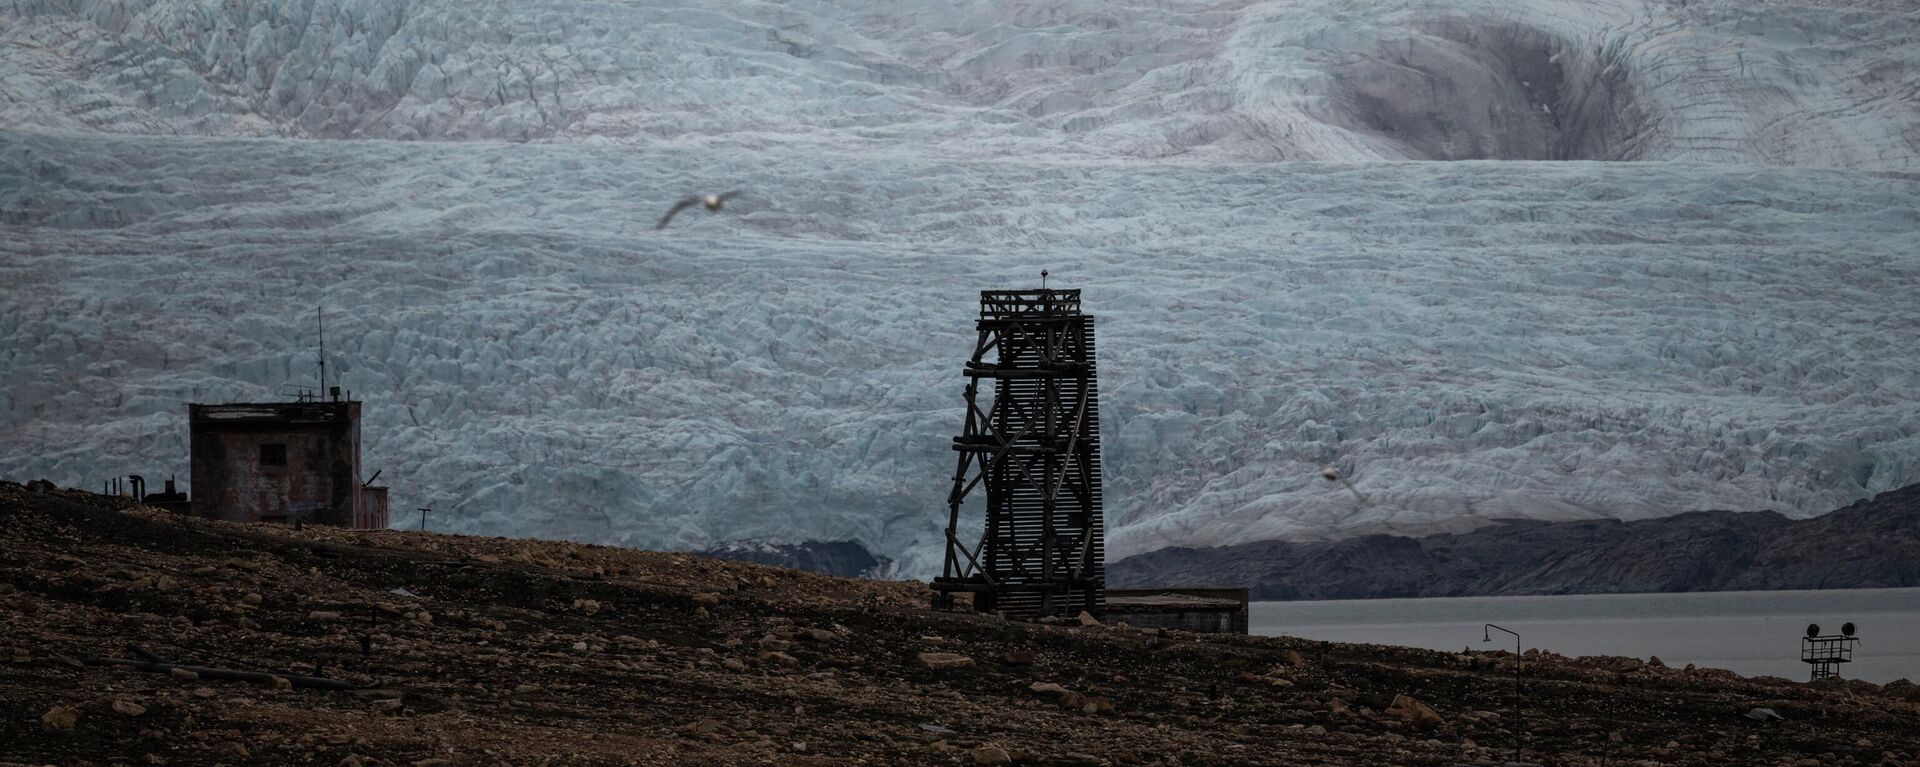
[1212, 610]
[1211, 621]
[271, 462]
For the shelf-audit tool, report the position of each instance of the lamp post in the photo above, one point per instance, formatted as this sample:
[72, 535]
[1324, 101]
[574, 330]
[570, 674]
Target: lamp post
[1487, 636]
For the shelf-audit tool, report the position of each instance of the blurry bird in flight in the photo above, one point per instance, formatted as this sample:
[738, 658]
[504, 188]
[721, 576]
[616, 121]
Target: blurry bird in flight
[712, 201]
[1333, 475]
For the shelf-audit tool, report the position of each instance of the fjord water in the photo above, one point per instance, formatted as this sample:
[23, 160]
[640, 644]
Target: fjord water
[1749, 632]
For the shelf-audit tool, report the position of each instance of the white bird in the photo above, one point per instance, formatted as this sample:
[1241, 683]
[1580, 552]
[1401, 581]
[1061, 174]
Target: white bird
[712, 201]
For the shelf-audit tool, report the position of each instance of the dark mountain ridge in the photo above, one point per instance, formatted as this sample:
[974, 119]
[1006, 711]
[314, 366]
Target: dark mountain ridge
[1873, 543]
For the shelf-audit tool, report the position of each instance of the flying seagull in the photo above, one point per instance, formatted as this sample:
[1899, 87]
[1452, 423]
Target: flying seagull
[712, 201]
[1333, 475]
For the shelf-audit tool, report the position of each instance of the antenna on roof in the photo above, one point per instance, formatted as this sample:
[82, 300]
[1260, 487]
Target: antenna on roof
[321, 320]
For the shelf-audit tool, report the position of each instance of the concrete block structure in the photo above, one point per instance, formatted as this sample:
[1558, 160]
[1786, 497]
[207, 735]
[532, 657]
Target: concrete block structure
[281, 462]
[1210, 610]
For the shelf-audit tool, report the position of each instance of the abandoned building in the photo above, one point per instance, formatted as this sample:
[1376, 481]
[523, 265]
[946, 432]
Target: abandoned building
[290, 462]
[1210, 610]
[170, 498]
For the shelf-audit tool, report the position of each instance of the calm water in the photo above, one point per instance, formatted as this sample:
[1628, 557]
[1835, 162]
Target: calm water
[1749, 632]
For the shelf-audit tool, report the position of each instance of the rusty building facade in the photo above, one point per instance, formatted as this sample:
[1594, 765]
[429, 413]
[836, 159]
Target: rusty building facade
[1210, 610]
[282, 462]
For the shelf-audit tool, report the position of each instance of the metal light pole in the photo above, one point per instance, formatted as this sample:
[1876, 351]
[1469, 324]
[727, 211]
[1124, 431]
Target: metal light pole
[1487, 636]
[423, 520]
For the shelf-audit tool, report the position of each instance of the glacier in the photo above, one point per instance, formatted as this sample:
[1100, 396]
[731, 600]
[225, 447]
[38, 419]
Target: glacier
[1530, 258]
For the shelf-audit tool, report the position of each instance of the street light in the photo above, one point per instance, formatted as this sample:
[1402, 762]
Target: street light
[1487, 636]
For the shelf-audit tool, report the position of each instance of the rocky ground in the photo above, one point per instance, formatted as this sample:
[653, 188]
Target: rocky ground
[459, 650]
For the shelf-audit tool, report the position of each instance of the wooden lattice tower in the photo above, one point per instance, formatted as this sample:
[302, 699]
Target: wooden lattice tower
[1035, 450]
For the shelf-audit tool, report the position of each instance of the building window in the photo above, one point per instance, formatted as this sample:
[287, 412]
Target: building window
[273, 455]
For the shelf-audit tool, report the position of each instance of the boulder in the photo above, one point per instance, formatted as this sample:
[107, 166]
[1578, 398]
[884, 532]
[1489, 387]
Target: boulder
[60, 719]
[990, 754]
[1413, 712]
[944, 660]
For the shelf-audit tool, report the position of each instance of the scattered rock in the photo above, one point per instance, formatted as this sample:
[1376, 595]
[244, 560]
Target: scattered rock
[1017, 658]
[1272, 678]
[128, 708]
[1087, 619]
[60, 719]
[734, 664]
[204, 692]
[711, 728]
[706, 599]
[181, 673]
[944, 660]
[990, 754]
[323, 615]
[1295, 659]
[1418, 714]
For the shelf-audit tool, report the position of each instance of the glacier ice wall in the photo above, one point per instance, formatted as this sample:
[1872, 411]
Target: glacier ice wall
[1820, 83]
[1531, 334]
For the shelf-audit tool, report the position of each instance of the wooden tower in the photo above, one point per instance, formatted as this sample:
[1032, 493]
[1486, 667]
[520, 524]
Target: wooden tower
[1035, 451]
